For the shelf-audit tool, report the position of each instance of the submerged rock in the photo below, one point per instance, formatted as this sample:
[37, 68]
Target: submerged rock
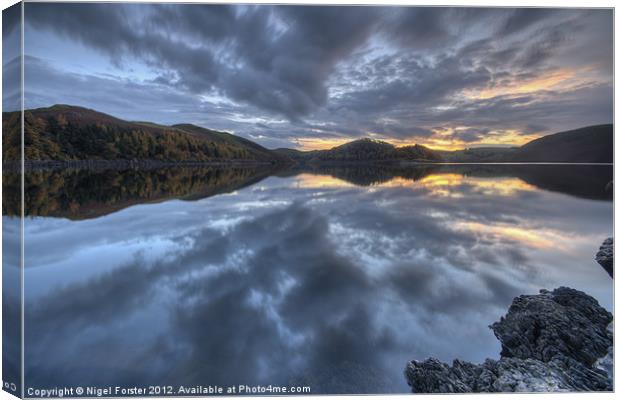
[553, 341]
[605, 256]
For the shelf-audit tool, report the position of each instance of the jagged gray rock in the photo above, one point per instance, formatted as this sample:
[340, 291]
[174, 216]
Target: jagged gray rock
[605, 256]
[607, 362]
[553, 341]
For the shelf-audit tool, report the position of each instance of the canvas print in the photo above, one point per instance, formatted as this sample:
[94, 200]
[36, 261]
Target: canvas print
[247, 199]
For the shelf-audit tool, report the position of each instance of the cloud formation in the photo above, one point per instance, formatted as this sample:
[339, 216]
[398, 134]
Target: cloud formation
[287, 75]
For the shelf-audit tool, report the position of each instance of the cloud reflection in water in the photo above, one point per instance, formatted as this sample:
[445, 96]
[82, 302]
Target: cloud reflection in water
[300, 280]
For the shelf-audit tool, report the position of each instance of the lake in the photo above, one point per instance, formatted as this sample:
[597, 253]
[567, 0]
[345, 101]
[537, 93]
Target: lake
[332, 277]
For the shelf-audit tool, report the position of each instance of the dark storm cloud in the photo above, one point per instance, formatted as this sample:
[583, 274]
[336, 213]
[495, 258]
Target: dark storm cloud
[522, 18]
[398, 72]
[112, 30]
[214, 23]
[543, 47]
[120, 97]
[471, 135]
[288, 74]
[418, 27]
[281, 73]
[416, 85]
[518, 56]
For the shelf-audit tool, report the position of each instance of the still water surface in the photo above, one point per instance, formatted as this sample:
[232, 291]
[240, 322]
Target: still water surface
[332, 278]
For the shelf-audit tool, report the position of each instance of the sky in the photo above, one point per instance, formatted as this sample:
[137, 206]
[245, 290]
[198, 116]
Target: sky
[313, 77]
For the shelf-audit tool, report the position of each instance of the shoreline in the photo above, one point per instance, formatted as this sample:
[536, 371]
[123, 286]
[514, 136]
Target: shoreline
[45, 165]
[36, 165]
[553, 341]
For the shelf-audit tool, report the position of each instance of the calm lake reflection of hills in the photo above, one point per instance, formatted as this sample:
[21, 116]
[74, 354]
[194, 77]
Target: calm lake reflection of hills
[84, 193]
[333, 278]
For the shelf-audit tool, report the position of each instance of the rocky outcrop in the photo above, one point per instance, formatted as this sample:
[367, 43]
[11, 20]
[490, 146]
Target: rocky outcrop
[553, 341]
[607, 362]
[605, 256]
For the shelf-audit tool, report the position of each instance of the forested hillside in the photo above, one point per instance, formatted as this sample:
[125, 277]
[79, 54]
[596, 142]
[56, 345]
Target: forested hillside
[73, 133]
[69, 133]
[365, 150]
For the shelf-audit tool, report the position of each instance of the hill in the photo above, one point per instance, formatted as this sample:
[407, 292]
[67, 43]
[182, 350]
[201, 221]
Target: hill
[592, 144]
[70, 133]
[292, 153]
[364, 150]
[478, 154]
[67, 133]
[224, 138]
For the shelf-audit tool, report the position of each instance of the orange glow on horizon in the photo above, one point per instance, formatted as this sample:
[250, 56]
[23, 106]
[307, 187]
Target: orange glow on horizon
[313, 181]
[441, 185]
[441, 140]
[445, 185]
[309, 144]
[540, 239]
[539, 87]
[508, 138]
[562, 79]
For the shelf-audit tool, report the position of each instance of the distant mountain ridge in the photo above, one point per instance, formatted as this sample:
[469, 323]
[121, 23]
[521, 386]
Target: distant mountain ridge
[365, 150]
[591, 144]
[70, 133]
